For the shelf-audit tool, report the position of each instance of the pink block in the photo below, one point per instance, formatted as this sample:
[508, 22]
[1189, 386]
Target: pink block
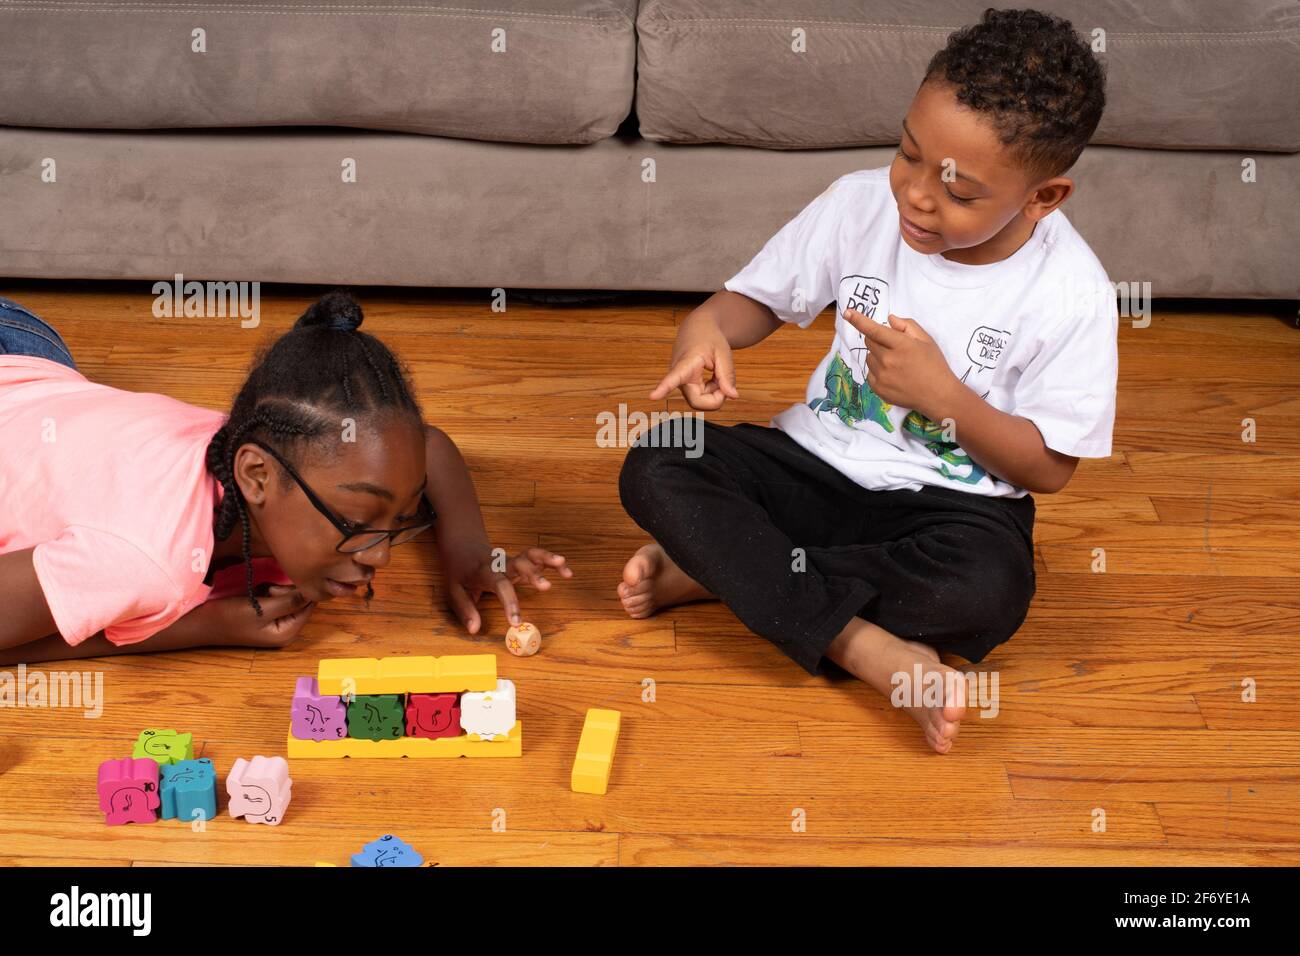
[259, 789]
[316, 717]
[128, 790]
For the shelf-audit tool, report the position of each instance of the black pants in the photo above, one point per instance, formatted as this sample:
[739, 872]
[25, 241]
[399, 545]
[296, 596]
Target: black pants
[797, 550]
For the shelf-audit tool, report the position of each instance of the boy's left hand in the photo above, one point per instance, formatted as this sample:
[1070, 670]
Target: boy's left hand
[904, 365]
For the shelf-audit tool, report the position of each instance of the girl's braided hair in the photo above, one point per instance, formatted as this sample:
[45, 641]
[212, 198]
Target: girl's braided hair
[297, 395]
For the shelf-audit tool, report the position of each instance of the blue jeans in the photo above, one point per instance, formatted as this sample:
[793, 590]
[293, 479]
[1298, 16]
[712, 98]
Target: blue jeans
[22, 333]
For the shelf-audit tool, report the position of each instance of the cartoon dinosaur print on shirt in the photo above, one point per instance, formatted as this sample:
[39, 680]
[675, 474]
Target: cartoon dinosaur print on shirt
[851, 400]
[949, 452]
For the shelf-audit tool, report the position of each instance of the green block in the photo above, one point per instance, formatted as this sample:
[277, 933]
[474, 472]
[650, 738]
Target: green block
[165, 746]
[376, 716]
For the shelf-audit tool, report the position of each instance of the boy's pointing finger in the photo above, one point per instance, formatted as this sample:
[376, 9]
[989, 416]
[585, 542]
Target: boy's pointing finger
[874, 332]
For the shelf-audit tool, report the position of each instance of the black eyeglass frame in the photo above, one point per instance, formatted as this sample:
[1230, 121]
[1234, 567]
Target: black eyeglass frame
[342, 526]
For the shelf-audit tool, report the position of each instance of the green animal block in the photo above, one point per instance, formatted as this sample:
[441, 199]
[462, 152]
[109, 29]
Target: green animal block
[376, 716]
[165, 746]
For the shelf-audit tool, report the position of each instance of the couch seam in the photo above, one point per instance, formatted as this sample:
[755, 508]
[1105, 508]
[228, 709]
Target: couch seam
[353, 10]
[730, 24]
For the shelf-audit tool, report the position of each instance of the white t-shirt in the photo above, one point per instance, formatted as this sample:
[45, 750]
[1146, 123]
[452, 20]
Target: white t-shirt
[1034, 335]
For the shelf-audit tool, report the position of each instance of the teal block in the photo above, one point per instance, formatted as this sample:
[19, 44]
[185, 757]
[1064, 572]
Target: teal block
[188, 786]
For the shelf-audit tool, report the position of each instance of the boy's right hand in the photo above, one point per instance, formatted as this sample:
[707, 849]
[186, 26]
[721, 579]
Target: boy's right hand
[711, 352]
[232, 620]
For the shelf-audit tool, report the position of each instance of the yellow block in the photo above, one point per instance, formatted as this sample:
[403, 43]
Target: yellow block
[595, 757]
[319, 863]
[407, 675]
[466, 745]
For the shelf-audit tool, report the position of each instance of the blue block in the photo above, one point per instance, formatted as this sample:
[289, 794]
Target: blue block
[387, 851]
[188, 786]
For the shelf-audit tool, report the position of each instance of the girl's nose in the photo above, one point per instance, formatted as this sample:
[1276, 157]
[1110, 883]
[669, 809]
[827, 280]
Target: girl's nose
[376, 557]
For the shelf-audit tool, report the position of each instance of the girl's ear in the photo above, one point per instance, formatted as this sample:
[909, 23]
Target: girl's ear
[252, 473]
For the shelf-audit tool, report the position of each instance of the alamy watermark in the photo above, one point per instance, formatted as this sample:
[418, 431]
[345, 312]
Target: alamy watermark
[933, 688]
[208, 300]
[37, 689]
[655, 430]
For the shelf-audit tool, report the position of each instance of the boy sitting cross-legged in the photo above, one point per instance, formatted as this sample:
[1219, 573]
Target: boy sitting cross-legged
[889, 516]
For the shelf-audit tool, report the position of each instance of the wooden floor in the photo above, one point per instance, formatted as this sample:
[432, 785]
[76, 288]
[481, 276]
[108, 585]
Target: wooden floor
[1121, 693]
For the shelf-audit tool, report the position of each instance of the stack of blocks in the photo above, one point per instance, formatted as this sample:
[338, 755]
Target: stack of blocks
[452, 706]
[162, 780]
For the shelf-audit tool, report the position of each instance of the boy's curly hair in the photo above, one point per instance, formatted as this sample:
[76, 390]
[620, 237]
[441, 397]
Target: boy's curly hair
[1034, 76]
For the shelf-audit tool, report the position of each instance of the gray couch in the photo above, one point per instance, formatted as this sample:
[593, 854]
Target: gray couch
[602, 144]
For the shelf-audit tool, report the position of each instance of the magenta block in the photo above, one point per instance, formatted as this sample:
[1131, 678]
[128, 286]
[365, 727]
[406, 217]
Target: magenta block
[128, 790]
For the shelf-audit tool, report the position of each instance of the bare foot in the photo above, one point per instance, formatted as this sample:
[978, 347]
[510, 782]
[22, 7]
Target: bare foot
[652, 580]
[875, 656]
[941, 723]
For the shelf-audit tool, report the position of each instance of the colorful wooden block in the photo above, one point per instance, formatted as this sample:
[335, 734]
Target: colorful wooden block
[466, 745]
[399, 675]
[259, 789]
[461, 672]
[164, 746]
[376, 717]
[317, 716]
[489, 713]
[128, 790]
[346, 675]
[388, 850]
[189, 790]
[432, 716]
[595, 756]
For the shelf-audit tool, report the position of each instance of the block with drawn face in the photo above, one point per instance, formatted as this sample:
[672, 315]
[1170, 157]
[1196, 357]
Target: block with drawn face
[388, 850]
[189, 790]
[432, 716]
[376, 717]
[317, 717]
[489, 713]
[259, 789]
[164, 746]
[128, 790]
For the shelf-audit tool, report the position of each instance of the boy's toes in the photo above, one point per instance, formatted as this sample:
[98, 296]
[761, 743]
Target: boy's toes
[641, 567]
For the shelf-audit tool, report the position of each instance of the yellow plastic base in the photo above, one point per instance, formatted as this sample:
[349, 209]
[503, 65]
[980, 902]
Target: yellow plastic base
[466, 745]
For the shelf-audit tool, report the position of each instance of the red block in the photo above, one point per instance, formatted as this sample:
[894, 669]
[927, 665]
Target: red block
[432, 716]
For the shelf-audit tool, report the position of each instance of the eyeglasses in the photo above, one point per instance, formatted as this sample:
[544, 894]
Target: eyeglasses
[357, 539]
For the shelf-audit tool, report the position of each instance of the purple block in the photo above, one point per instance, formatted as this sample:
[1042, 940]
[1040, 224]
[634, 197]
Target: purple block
[315, 717]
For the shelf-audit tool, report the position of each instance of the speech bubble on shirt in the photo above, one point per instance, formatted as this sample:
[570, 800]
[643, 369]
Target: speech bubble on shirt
[986, 346]
[866, 294]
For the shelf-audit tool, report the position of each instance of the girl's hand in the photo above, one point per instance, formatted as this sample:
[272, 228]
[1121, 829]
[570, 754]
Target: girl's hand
[469, 577]
[232, 620]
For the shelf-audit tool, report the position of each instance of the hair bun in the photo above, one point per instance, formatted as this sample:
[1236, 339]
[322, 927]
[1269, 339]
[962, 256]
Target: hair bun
[335, 310]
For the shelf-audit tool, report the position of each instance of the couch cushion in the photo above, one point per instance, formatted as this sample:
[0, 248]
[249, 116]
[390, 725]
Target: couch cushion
[423, 66]
[1180, 73]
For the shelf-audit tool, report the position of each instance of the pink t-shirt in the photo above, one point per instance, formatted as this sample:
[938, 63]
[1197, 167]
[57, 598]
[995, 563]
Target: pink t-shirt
[111, 490]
